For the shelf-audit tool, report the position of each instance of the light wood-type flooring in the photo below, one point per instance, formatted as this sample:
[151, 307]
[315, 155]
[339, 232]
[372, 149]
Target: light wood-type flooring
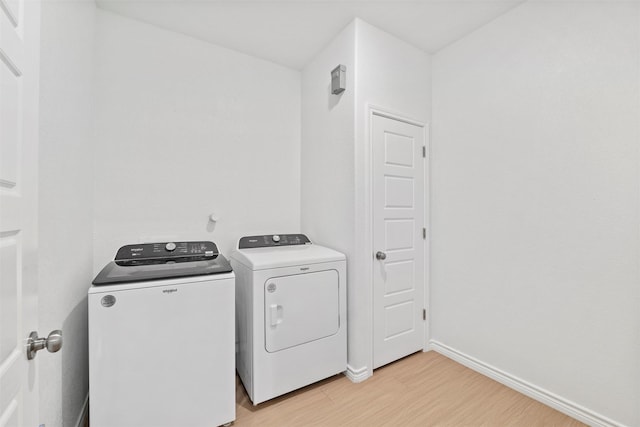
[425, 389]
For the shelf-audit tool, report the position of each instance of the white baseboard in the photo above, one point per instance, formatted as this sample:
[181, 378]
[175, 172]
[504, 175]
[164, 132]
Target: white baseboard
[550, 399]
[357, 375]
[84, 412]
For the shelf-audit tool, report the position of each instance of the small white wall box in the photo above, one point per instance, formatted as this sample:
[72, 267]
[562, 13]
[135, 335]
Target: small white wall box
[338, 79]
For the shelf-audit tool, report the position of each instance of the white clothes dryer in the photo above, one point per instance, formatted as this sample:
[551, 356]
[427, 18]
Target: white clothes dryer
[291, 319]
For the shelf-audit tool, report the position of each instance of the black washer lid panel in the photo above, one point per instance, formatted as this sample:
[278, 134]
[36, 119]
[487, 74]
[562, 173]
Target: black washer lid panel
[113, 273]
[272, 240]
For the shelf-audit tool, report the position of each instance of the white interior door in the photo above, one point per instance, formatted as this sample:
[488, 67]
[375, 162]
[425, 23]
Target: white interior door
[19, 53]
[398, 245]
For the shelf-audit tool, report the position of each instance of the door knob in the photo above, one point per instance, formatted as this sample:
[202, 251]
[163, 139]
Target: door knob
[52, 343]
[381, 256]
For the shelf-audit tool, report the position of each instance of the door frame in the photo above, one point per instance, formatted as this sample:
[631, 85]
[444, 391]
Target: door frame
[374, 110]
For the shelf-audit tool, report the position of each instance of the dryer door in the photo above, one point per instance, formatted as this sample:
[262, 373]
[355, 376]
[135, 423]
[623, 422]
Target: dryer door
[299, 309]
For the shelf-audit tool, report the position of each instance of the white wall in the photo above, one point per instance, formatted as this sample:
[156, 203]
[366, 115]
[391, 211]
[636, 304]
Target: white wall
[381, 70]
[184, 129]
[327, 146]
[327, 173]
[535, 208]
[65, 207]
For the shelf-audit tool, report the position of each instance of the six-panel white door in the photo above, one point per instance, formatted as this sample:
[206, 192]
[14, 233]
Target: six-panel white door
[19, 53]
[398, 246]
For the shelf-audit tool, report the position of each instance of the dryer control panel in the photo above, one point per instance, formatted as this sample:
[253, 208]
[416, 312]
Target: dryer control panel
[271, 240]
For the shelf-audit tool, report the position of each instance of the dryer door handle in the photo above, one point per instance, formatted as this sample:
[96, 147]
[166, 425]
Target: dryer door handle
[276, 314]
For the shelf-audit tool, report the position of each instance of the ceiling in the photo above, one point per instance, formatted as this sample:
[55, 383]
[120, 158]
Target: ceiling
[291, 32]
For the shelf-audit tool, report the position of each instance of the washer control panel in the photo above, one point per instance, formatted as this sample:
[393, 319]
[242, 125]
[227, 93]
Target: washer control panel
[167, 251]
[271, 240]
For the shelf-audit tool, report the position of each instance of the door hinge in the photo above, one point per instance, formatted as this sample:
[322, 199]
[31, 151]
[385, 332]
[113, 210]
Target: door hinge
[424, 314]
[424, 151]
[424, 233]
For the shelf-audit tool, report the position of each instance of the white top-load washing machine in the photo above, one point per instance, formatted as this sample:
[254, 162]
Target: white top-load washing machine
[161, 338]
[291, 318]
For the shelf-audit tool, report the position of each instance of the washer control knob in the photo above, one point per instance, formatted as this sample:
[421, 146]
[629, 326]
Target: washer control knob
[276, 238]
[170, 247]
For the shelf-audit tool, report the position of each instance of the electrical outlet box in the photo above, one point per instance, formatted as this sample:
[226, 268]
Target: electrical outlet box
[338, 79]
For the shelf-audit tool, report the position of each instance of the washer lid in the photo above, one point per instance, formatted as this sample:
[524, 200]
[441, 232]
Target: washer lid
[113, 273]
[285, 256]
